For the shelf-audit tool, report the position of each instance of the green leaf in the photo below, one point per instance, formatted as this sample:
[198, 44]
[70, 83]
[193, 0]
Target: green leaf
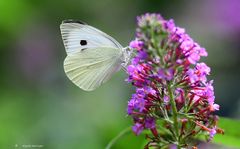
[231, 129]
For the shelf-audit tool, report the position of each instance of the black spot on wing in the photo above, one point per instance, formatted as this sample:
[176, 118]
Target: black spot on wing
[83, 42]
[73, 21]
[83, 49]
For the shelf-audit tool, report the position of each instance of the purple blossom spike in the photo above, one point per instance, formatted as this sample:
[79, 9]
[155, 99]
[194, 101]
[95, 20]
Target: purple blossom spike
[172, 90]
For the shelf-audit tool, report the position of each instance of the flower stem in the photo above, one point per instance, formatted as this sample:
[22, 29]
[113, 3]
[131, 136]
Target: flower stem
[120, 135]
[174, 109]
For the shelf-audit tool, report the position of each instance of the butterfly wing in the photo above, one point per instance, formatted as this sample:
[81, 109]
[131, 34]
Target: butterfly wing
[92, 55]
[78, 36]
[89, 68]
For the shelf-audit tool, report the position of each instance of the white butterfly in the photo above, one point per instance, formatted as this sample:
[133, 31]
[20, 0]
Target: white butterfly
[92, 55]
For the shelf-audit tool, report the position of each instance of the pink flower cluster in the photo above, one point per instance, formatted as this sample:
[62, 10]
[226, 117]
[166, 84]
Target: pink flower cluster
[170, 82]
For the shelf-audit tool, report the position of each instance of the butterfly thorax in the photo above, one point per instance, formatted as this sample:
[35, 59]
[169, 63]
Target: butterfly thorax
[127, 55]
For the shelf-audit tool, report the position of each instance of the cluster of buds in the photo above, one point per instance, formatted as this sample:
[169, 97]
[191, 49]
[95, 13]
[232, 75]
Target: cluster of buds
[173, 98]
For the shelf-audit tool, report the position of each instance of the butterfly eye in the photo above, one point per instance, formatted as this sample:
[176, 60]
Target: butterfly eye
[83, 42]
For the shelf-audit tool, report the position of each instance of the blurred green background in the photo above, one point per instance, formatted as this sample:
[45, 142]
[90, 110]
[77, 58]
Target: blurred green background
[40, 106]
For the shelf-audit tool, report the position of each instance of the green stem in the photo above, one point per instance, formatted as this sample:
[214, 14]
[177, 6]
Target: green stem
[120, 135]
[175, 113]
